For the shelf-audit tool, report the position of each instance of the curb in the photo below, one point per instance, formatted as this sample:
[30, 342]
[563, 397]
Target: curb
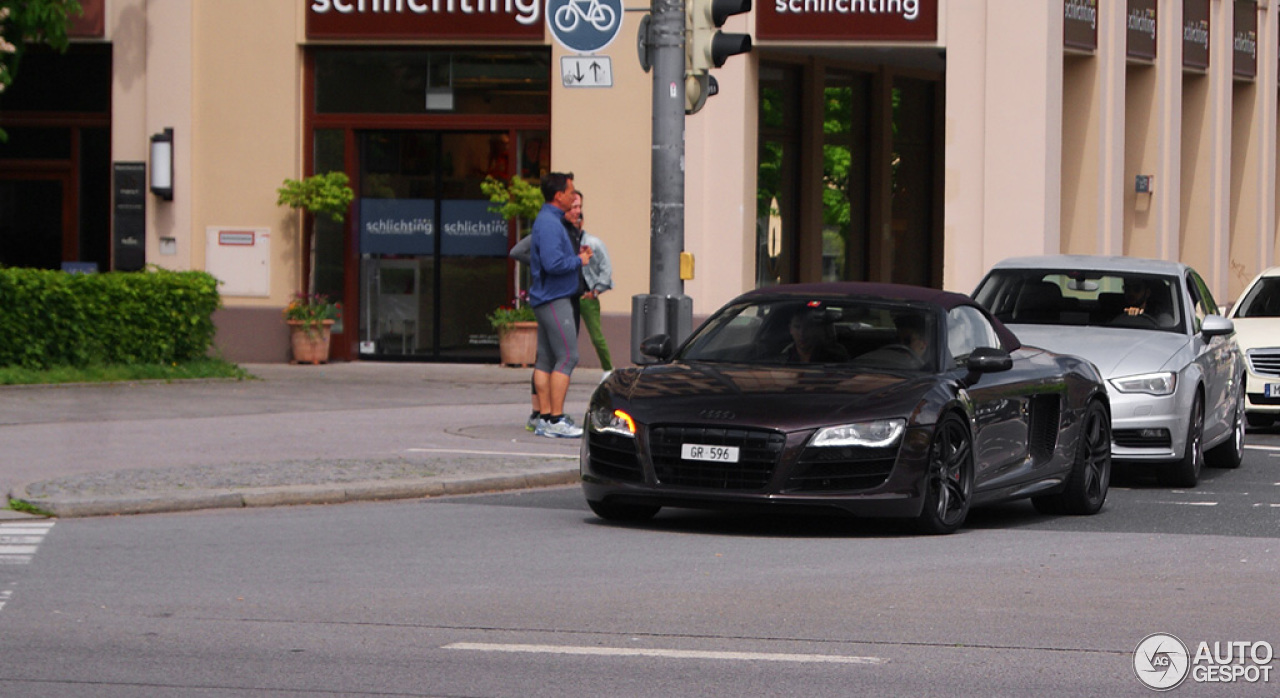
[292, 495]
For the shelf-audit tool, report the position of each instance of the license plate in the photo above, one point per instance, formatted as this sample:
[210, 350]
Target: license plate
[718, 454]
[1271, 389]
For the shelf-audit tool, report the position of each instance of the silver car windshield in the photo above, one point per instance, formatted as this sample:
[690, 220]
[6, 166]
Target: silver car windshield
[1083, 299]
[852, 333]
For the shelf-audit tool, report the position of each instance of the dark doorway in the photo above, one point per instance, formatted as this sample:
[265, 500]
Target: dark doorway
[849, 180]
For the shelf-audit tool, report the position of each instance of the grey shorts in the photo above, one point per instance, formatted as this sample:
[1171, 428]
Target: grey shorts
[557, 337]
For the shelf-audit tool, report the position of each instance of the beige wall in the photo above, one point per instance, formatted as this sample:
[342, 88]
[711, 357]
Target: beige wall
[1004, 92]
[152, 90]
[1141, 156]
[247, 121]
[1210, 142]
[602, 135]
[1081, 133]
[720, 184]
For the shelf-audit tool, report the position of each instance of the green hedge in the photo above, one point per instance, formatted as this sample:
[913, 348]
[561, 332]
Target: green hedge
[52, 318]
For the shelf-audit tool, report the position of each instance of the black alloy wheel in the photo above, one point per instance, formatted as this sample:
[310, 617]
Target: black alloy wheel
[948, 485]
[1090, 476]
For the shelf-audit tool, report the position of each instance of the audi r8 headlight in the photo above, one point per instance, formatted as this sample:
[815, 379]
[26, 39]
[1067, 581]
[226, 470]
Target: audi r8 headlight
[606, 420]
[877, 434]
[1149, 383]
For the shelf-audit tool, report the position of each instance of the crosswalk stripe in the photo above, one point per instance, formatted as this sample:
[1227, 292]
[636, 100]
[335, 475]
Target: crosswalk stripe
[19, 541]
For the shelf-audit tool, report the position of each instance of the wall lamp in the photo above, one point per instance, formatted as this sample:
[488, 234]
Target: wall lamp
[162, 164]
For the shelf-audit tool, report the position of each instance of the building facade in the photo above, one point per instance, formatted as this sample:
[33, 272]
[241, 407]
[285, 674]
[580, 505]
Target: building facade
[913, 141]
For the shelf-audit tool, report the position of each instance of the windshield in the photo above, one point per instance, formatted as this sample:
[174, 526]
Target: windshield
[865, 334]
[1082, 298]
[1263, 300]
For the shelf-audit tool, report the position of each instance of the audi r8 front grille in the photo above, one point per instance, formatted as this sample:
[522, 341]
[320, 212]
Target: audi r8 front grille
[758, 454]
[614, 456]
[842, 469]
[1264, 361]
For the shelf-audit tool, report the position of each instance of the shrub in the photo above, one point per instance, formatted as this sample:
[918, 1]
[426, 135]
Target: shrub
[51, 318]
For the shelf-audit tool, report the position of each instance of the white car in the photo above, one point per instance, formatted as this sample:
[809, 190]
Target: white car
[1174, 373]
[1257, 319]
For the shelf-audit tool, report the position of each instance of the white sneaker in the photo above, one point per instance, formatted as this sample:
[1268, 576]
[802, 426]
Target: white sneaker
[563, 429]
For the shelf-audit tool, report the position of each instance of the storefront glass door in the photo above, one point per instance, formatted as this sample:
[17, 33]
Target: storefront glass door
[433, 258]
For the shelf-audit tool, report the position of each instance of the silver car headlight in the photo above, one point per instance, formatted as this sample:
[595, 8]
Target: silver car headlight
[877, 434]
[1149, 383]
[605, 420]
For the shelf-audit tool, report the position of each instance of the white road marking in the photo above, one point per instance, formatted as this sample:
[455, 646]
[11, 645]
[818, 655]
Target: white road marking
[1191, 504]
[18, 541]
[667, 654]
[1262, 448]
[492, 453]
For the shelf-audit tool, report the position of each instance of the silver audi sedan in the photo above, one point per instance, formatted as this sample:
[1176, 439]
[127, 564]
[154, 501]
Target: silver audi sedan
[1174, 374]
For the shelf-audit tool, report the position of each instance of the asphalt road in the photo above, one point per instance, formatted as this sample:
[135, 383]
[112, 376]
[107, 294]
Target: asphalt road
[527, 594]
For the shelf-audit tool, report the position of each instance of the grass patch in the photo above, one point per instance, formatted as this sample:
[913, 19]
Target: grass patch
[27, 508]
[183, 370]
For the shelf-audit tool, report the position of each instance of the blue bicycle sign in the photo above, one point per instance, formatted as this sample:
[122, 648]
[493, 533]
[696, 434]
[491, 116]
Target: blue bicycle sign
[584, 26]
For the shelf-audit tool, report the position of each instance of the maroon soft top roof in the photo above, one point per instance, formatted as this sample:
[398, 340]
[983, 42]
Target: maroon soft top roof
[893, 292]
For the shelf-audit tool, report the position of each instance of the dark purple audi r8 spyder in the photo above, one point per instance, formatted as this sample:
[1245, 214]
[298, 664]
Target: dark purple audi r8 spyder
[875, 400]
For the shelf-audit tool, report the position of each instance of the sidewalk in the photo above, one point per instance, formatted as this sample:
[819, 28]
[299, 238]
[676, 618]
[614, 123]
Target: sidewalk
[294, 435]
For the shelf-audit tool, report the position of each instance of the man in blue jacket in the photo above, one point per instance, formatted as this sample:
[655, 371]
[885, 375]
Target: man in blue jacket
[556, 269]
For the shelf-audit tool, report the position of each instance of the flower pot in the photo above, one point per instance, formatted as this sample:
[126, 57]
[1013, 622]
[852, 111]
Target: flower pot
[518, 343]
[310, 342]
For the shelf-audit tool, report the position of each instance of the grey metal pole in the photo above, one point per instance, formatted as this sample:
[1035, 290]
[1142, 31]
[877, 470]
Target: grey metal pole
[666, 217]
[665, 310]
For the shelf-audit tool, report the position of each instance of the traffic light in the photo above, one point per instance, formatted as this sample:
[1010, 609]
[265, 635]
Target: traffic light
[706, 47]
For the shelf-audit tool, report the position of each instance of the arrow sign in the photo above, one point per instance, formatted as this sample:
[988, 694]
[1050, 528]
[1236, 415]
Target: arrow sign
[586, 71]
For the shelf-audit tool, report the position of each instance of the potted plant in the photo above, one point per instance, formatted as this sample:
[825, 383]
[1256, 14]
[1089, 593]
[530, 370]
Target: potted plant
[310, 318]
[520, 201]
[517, 332]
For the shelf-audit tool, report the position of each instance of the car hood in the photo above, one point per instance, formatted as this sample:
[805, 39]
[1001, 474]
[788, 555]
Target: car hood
[1257, 332]
[779, 397]
[1115, 351]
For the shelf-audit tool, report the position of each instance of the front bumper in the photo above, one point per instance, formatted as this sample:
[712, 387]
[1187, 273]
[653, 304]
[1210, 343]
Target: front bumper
[1264, 370]
[625, 470]
[1151, 428]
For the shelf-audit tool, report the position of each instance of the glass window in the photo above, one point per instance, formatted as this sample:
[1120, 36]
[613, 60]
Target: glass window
[41, 84]
[1262, 299]
[867, 335]
[911, 173]
[1202, 303]
[404, 81]
[778, 174]
[845, 170]
[968, 329]
[1082, 297]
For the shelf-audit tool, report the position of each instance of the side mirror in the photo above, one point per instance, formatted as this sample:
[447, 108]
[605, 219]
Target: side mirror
[989, 360]
[1216, 326]
[659, 346]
